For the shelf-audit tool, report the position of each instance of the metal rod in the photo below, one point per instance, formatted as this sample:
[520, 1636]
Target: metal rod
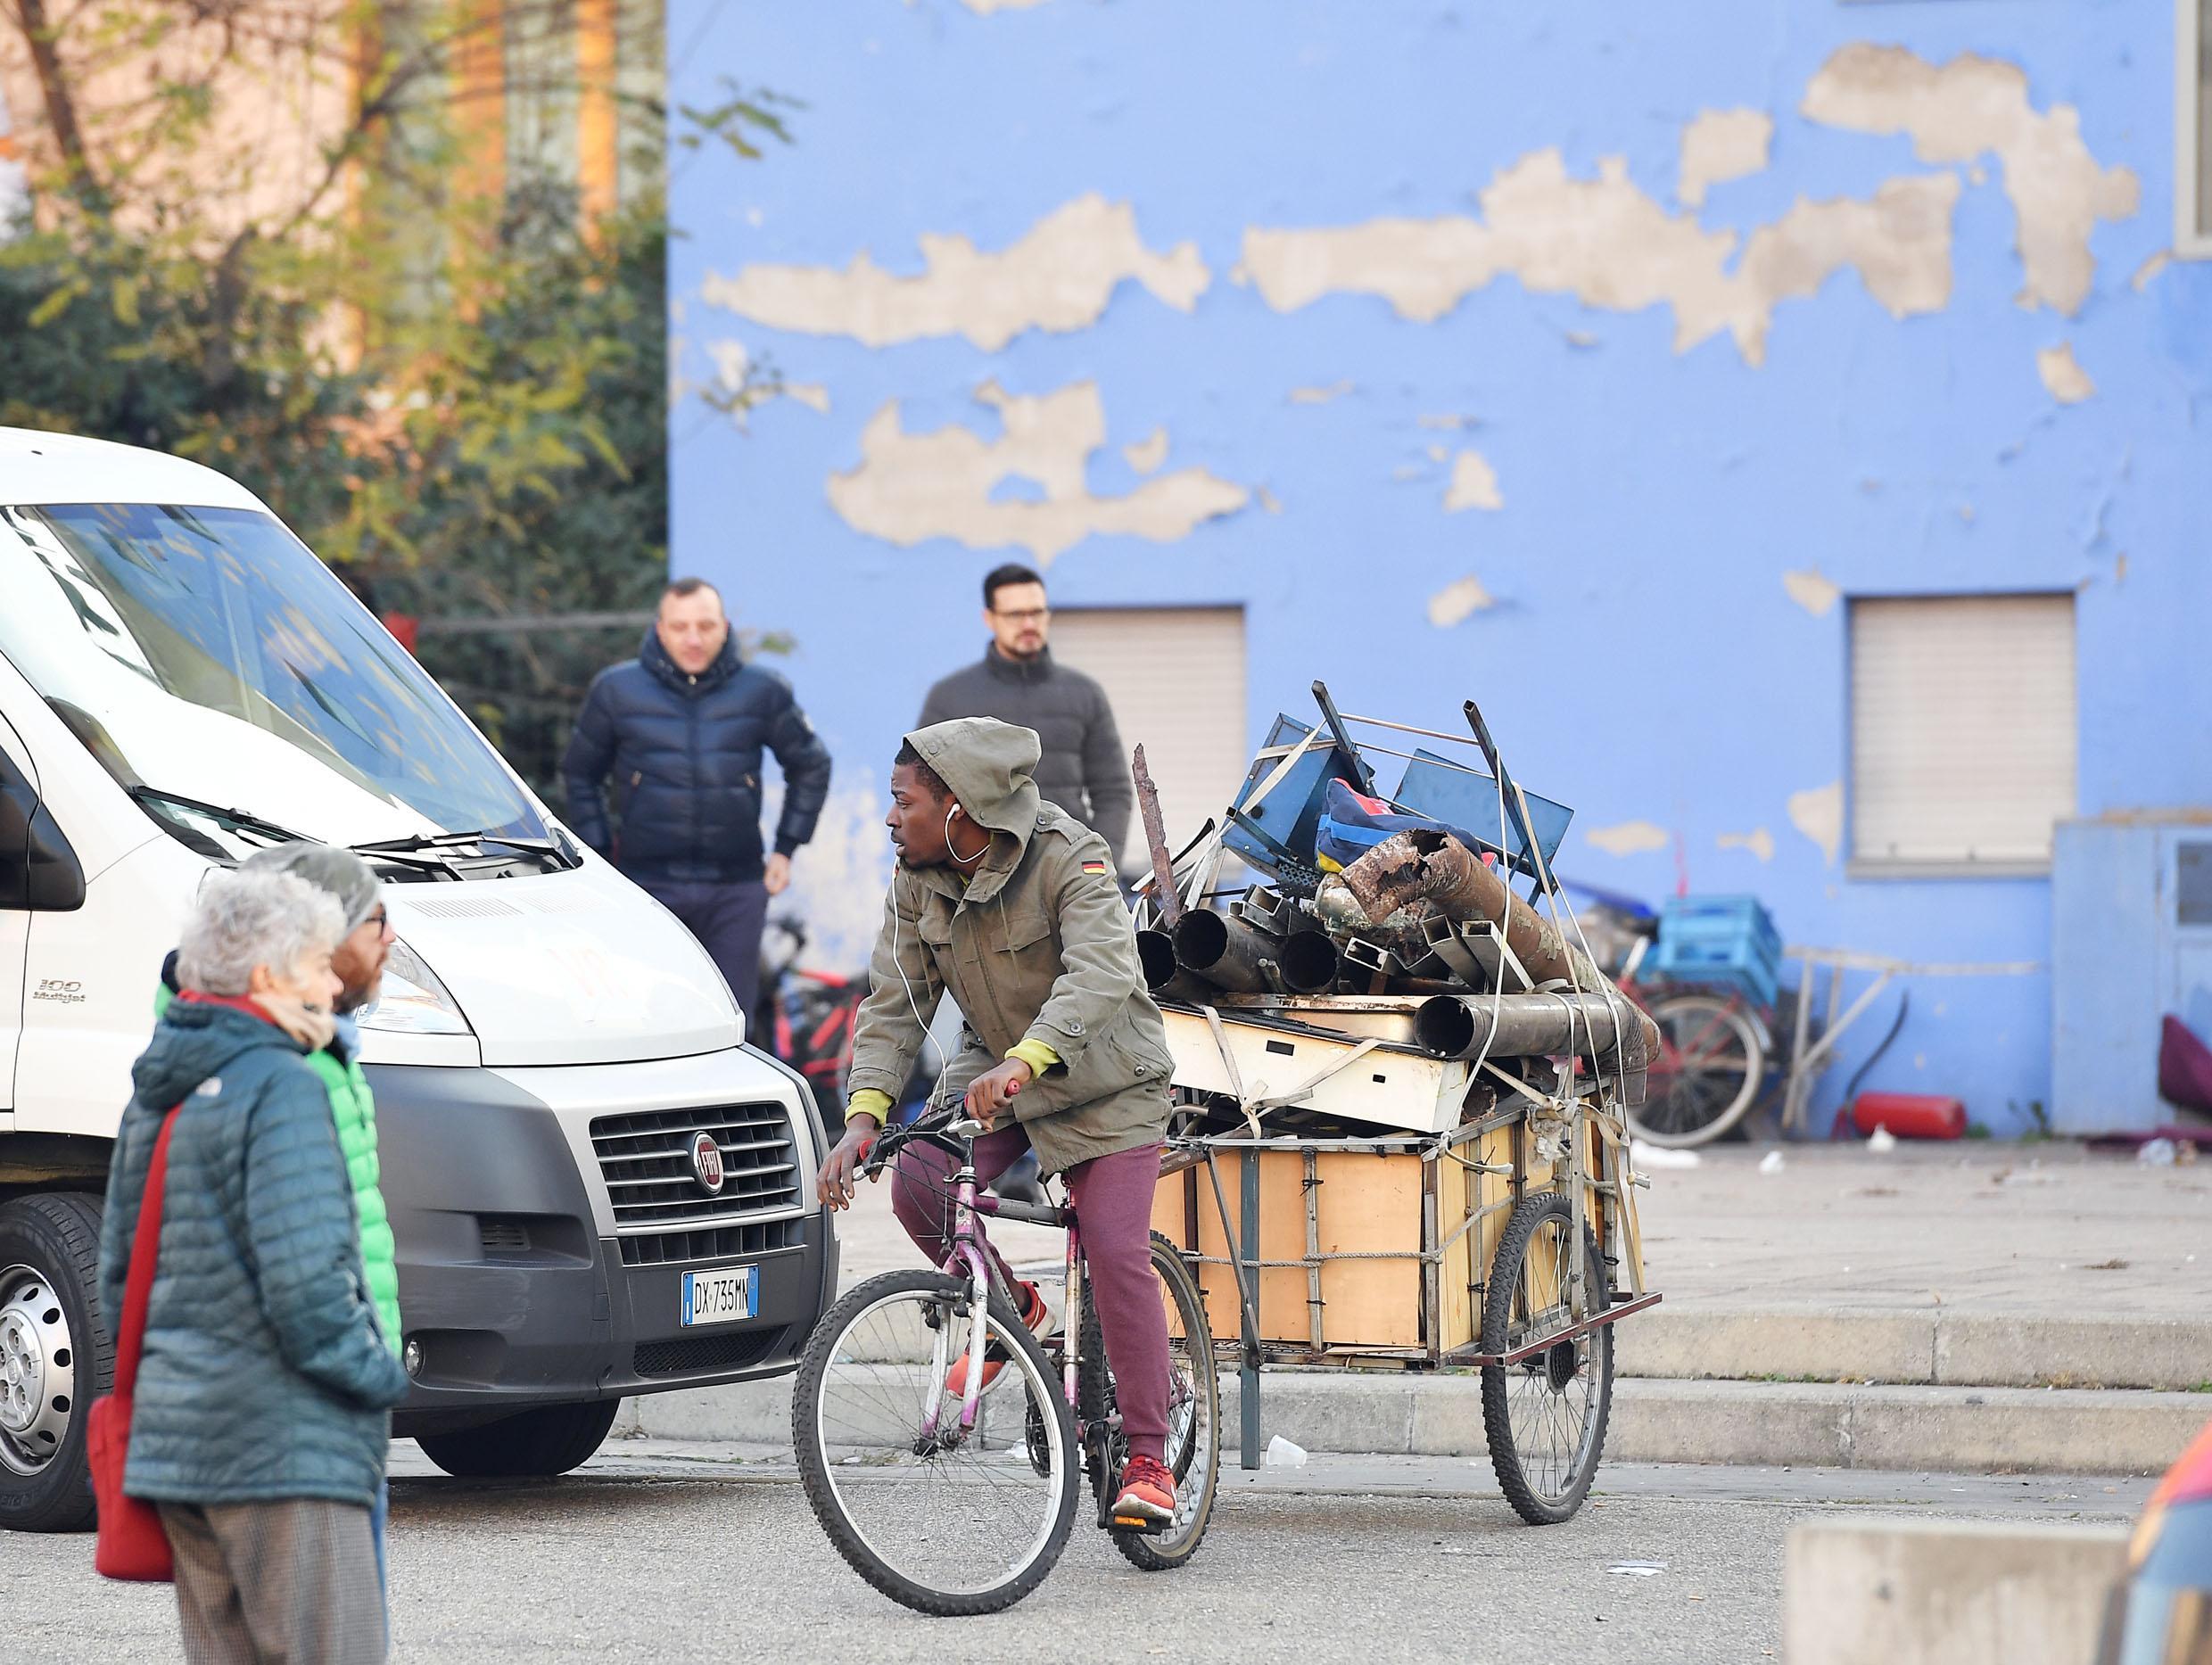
[1156, 839]
[1582, 1327]
[1247, 1371]
[1313, 1250]
[1407, 728]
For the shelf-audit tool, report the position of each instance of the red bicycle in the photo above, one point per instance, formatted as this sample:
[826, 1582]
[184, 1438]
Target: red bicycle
[1713, 1051]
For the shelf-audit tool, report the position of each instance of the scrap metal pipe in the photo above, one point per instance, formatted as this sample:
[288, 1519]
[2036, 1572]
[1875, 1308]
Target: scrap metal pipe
[1224, 950]
[1310, 963]
[1606, 1028]
[1155, 953]
[1411, 867]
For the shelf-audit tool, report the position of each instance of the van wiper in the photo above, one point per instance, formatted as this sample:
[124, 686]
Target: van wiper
[234, 820]
[419, 844]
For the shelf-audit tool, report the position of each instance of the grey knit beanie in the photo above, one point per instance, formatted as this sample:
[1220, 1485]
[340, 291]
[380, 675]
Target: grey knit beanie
[341, 872]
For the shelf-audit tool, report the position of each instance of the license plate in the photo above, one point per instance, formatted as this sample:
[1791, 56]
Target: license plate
[721, 1298]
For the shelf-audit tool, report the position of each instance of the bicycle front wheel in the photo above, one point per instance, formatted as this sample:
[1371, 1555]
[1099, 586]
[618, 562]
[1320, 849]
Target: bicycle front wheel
[947, 1519]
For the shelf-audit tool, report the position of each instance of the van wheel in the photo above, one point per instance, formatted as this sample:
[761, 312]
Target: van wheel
[55, 1357]
[550, 1440]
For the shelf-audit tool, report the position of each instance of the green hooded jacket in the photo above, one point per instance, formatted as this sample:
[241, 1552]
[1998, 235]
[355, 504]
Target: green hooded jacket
[1034, 943]
[353, 1112]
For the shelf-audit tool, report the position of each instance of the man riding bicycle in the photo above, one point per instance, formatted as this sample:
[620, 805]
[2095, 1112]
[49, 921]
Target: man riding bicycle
[1011, 906]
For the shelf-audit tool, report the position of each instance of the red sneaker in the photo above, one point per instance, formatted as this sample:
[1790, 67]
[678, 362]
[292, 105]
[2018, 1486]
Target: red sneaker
[1147, 1502]
[1037, 1317]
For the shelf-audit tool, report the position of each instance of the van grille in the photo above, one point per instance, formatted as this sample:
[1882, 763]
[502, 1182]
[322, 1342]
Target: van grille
[724, 1352]
[646, 1159]
[712, 1242]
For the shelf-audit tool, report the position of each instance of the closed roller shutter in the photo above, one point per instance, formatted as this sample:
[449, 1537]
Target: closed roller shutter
[1961, 729]
[1175, 678]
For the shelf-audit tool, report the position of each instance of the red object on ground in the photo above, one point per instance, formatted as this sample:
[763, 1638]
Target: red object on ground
[1909, 1115]
[2184, 1066]
[402, 626]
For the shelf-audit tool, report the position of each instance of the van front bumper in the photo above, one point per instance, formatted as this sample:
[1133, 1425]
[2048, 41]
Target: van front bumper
[513, 1280]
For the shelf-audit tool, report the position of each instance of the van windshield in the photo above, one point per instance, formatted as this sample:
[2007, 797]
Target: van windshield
[207, 658]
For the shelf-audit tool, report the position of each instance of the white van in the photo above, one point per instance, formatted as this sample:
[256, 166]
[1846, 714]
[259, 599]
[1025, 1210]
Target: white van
[597, 1188]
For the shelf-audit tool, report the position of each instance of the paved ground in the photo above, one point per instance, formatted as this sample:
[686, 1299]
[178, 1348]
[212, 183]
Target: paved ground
[682, 1552]
[1975, 1226]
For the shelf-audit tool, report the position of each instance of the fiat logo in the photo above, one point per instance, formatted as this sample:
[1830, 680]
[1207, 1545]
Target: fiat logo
[707, 1163]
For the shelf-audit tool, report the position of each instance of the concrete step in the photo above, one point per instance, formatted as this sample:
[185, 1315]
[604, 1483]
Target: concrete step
[1811, 1425]
[1933, 1347]
[1891, 1591]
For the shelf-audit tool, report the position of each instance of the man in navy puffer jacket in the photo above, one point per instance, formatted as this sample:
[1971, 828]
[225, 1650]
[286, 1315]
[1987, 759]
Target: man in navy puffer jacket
[682, 728]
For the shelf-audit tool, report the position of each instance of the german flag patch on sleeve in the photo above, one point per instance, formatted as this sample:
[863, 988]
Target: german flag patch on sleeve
[1094, 867]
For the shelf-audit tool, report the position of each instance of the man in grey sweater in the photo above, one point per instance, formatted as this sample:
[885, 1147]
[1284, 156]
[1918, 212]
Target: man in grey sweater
[1017, 681]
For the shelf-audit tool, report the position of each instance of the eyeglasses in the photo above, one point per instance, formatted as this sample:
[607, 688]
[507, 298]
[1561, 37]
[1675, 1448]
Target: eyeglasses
[1025, 615]
[381, 918]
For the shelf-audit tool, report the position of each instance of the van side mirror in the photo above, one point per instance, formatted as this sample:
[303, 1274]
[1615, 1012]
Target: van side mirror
[39, 871]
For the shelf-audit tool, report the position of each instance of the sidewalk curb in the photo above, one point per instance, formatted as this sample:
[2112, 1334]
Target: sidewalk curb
[1932, 1348]
[1816, 1425]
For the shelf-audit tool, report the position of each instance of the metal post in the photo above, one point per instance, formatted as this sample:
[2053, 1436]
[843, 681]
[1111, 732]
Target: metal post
[1248, 1373]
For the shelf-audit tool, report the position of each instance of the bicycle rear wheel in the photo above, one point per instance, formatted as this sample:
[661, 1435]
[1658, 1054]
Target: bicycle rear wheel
[1707, 1075]
[949, 1522]
[1193, 1418]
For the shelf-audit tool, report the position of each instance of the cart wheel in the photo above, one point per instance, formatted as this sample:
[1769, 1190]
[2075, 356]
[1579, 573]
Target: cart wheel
[1706, 1076]
[1545, 1416]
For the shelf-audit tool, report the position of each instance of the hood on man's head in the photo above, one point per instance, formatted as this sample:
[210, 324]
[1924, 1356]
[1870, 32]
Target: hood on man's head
[339, 872]
[987, 765]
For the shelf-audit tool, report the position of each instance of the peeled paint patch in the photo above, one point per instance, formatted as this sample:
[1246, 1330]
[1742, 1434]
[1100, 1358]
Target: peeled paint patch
[1059, 278]
[1147, 455]
[1458, 602]
[1319, 395]
[1720, 146]
[1758, 841]
[1628, 839]
[2147, 274]
[985, 7]
[1819, 815]
[911, 487]
[1973, 106]
[2064, 379]
[1810, 590]
[1610, 245]
[1474, 484]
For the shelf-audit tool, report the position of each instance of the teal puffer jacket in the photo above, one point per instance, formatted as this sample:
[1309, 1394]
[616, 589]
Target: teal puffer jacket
[264, 1375]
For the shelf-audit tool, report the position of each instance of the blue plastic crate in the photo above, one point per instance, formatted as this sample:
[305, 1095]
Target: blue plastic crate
[1728, 941]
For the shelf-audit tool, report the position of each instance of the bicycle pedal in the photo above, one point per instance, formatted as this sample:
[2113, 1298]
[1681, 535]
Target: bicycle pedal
[1138, 1523]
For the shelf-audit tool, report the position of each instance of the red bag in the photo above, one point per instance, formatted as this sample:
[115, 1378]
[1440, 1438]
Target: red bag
[131, 1543]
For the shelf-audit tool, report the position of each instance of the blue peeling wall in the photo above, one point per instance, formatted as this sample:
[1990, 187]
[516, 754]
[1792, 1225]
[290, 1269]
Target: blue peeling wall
[1641, 657]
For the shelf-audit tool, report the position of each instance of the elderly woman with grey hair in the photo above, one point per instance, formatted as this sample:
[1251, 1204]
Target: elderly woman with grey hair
[265, 1387]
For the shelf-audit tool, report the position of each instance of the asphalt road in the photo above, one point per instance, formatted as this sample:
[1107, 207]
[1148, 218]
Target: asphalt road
[684, 1553]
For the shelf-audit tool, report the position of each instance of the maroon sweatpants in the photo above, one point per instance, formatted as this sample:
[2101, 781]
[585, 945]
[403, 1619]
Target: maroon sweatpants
[1113, 1196]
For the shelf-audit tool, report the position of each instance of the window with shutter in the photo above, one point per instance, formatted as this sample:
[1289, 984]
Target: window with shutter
[1962, 731]
[1175, 678]
[2192, 129]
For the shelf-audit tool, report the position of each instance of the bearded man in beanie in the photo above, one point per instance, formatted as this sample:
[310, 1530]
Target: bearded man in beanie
[358, 962]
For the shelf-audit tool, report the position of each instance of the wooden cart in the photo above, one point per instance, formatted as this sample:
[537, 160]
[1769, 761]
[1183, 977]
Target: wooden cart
[1487, 1224]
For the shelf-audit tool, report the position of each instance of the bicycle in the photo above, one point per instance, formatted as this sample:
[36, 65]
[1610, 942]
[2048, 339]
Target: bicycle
[958, 1505]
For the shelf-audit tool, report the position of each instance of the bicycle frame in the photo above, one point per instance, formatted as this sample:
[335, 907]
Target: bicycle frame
[971, 1260]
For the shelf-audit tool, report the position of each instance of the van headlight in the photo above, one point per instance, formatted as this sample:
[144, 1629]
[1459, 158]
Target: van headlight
[412, 1001]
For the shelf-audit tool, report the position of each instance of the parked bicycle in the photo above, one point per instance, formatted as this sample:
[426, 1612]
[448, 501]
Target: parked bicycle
[957, 1501]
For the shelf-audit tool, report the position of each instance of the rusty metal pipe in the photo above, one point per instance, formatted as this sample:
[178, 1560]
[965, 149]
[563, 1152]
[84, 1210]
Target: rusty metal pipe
[1224, 950]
